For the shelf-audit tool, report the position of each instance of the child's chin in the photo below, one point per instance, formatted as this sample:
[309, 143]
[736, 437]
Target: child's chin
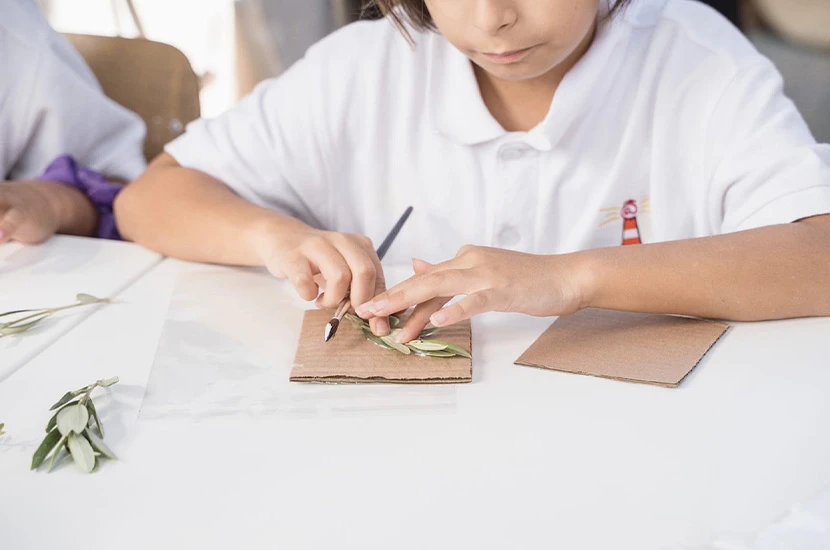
[512, 71]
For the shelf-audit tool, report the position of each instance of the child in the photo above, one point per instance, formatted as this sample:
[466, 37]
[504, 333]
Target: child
[57, 131]
[536, 136]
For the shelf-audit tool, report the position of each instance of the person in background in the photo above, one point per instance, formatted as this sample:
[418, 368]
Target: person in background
[731, 9]
[637, 155]
[63, 143]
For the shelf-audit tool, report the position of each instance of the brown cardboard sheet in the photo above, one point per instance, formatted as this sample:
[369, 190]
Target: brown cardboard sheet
[350, 358]
[633, 347]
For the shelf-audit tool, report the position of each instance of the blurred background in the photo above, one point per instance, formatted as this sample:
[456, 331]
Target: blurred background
[233, 44]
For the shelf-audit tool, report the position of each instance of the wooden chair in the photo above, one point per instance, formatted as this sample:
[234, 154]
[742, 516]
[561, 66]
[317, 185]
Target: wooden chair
[152, 79]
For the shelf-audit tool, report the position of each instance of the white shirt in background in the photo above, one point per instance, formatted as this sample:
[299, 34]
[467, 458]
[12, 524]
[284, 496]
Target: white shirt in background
[672, 126]
[51, 104]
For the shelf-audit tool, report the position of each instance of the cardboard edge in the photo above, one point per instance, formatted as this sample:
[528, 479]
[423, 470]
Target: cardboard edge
[592, 375]
[726, 328]
[376, 380]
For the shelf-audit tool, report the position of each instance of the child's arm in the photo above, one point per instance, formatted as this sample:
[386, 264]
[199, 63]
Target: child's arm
[32, 211]
[772, 272]
[188, 214]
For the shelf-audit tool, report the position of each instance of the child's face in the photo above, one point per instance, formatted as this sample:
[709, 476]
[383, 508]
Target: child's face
[535, 35]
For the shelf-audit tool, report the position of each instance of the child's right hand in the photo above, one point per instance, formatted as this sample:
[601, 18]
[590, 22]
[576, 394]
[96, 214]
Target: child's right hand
[336, 264]
[29, 211]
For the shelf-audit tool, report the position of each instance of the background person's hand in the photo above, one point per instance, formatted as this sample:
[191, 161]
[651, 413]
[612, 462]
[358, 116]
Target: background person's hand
[32, 211]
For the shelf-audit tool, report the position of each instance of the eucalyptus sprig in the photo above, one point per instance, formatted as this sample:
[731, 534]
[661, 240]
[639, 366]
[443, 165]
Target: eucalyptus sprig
[1, 428]
[72, 427]
[29, 318]
[422, 346]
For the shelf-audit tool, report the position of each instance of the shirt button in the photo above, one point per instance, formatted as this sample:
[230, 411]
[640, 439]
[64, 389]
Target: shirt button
[509, 236]
[512, 152]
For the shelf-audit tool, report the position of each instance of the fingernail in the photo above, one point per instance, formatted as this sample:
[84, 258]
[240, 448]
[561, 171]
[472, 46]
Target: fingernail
[438, 318]
[380, 305]
[363, 309]
[399, 338]
[382, 327]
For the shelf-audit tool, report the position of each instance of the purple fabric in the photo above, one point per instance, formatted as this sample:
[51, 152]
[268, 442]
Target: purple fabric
[93, 185]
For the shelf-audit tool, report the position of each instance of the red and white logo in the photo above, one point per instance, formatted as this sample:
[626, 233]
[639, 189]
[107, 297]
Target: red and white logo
[628, 213]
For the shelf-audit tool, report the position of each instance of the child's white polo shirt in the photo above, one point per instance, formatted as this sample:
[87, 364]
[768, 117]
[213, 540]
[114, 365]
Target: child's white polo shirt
[671, 126]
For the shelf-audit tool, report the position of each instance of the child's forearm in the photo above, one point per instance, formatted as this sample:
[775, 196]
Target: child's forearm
[773, 272]
[187, 214]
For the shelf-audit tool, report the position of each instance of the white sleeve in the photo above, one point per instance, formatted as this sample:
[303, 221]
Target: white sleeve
[271, 149]
[765, 166]
[64, 111]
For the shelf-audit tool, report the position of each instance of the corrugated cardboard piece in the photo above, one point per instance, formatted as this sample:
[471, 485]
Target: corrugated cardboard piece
[634, 347]
[350, 358]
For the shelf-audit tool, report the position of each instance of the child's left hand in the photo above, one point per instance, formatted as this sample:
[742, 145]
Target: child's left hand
[491, 279]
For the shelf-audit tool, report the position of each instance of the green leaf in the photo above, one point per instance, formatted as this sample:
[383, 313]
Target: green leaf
[457, 350]
[394, 321]
[98, 445]
[10, 328]
[439, 354]
[54, 420]
[20, 311]
[46, 446]
[377, 341]
[72, 419]
[426, 345]
[90, 406]
[56, 453]
[426, 333]
[81, 452]
[68, 396]
[90, 299]
[390, 341]
[108, 382]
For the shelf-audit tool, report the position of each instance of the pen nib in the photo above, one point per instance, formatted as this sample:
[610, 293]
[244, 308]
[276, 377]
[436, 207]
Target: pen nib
[331, 328]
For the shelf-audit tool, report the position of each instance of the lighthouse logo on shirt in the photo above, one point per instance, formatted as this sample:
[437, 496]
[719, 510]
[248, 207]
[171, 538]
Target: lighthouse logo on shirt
[629, 212]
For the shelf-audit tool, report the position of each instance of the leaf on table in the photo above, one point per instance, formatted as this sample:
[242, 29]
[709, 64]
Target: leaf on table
[7, 313]
[90, 299]
[108, 382]
[54, 420]
[81, 452]
[90, 406]
[98, 444]
[46, 446]
[67, 397]
[72, 419]
[56, 453]
[10, 329]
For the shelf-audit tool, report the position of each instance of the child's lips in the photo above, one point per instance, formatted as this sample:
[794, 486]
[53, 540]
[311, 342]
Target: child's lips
[508, 57]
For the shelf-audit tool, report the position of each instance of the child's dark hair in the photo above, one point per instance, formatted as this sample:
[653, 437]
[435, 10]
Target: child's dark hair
[415, 12]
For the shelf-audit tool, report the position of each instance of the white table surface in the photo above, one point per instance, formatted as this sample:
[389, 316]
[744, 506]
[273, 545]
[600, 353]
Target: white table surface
[520, 458]
[51, 275]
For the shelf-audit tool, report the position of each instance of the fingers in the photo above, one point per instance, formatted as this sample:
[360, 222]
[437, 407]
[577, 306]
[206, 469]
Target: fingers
[10, 221]
[419, 319]
[334, 269]
[362, 267]
[472, 304]
[299, 274]
[421, 288]
[421, 266]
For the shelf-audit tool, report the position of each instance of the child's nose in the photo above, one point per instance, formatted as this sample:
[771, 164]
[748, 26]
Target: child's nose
[494, 16]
